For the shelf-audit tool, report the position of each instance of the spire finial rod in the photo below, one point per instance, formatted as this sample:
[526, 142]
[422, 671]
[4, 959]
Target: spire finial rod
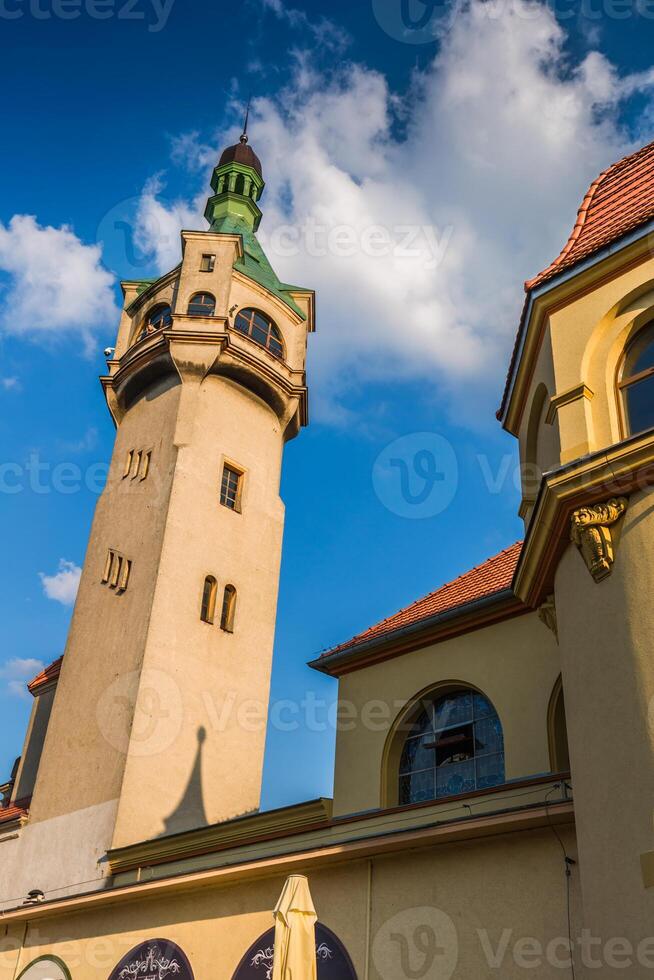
[244, 134]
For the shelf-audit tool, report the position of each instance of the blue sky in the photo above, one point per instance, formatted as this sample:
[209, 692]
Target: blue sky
[480, 132]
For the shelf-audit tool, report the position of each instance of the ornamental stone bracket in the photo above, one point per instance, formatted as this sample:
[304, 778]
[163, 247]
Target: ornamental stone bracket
[547, 615]
[590, 530]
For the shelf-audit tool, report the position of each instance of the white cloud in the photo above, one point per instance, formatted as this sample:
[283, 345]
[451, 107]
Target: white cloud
[63, 585]
[158, 226]
[11, 383]
[84, 444]
[17, 672]
[56, 282]
[500, 136]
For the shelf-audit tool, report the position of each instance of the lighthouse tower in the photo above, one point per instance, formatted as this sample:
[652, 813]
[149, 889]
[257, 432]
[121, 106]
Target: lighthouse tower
[159, 720]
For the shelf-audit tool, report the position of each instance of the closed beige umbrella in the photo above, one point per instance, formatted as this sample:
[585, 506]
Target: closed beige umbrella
[295, 932]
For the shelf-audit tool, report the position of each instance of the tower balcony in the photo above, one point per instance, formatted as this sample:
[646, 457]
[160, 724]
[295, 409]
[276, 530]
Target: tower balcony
[189, 349]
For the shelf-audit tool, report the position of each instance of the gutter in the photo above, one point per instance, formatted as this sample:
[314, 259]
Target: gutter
[504, 821]
[327, 662]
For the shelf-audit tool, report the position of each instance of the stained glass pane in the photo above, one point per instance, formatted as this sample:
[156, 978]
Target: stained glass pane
[488, 736]
[417, 788]
[456, 778]
[453, 710]
[482, 706]
[416, 755]
[423, 723]
[490, 770]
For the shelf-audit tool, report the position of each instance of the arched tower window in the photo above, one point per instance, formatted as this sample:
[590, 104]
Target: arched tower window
[637, 382]
[557, 731]
[208, 608]
[258, 326]
[454, 745]
[229, 609]
[157, 318]
[202, 304]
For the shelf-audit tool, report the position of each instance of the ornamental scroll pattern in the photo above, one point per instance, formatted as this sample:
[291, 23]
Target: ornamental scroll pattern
[590, 530]
[264, 957]
[153, 966]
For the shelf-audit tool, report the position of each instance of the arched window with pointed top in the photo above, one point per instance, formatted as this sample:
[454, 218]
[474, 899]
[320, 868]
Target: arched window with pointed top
[208, 608]
[260, 328]
[228, 610]
[637, 382]
[202, 304]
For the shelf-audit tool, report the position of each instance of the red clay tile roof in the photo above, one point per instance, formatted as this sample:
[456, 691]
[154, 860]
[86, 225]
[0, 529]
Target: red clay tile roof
[47, 675]
[620, 200]
[14, 811]
[494, 576]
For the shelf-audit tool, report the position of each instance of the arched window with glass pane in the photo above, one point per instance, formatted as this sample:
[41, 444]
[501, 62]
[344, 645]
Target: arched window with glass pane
[455, 745]
[637, 382]
[157, 318]
[202, 304]
[258, 326]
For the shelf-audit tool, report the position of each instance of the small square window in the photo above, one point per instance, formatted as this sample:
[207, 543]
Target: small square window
[207, 264]
[230, 488]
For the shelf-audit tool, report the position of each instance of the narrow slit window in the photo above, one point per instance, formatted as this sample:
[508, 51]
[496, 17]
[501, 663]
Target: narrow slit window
[106, 574]
[228, 610]
[137, 463]
[230, 488]
[128, 463]
[123, 579]
[145, 464]
[208, 608]
[116, 569]
[208, 263]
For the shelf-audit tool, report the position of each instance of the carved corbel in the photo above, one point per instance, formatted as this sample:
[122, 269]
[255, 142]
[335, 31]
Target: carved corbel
[590, 530]
[547, 615]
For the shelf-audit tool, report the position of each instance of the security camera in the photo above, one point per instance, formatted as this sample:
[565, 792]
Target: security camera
[108, 351]
[34, 896]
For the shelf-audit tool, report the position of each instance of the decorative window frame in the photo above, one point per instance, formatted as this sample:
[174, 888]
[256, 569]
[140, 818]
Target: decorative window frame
[226, 461]
[394, 744]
